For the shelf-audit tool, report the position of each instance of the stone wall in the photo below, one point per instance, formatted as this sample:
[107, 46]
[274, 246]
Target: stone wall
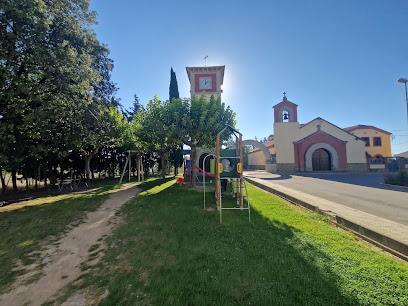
[285, 168]
[255, 167]
[357, 168]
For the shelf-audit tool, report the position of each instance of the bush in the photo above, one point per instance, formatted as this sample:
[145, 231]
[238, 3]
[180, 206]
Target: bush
[400, 178]
[389, 179]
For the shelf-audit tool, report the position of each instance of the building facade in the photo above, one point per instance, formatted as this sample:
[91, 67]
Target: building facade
[377, 141]
[315, 146]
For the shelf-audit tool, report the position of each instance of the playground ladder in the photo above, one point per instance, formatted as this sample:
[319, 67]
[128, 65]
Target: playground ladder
[245, 195]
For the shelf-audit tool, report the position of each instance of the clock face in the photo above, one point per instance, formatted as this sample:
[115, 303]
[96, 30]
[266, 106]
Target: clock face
[205, 83]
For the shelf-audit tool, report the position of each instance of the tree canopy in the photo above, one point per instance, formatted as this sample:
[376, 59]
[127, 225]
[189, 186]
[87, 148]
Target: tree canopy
[58, 104]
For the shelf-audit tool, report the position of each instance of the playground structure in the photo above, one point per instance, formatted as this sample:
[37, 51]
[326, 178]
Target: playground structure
[128, 163]
[225, 166]
[229, 170]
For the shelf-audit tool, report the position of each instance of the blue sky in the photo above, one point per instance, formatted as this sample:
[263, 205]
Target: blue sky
[339, 60]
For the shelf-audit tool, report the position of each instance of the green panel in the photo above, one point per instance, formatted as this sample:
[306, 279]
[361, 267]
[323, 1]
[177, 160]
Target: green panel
[212, 166]
[229, 164]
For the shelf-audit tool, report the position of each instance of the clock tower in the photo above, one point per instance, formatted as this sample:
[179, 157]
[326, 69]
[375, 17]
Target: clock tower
[206, 79]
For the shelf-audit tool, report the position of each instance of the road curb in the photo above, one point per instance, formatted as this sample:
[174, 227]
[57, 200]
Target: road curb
[388, 244]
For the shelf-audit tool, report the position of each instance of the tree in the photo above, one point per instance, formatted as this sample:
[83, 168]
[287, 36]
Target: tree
[198, 121]
[173, 90]
[152, 126]
[54, 78]
[176, 154]
[134, 109]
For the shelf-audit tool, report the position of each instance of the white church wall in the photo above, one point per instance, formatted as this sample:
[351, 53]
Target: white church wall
[285, 134]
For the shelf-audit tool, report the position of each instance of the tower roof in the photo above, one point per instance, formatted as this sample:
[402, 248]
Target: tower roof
[285, 100]
[206, 69]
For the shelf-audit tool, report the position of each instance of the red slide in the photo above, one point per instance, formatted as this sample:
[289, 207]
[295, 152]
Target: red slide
[206, 174]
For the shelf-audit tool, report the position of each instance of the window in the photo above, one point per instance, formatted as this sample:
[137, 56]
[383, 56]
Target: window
[367, 141]
[377, 141]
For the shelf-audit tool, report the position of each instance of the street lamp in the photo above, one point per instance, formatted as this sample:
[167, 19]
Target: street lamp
[403, 80]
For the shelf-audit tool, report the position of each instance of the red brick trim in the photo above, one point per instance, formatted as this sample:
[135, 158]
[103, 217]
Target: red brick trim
[213, 82]
[320, 137]
[285, 104]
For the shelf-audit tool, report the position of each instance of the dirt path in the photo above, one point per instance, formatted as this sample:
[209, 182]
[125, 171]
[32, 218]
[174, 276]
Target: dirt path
[62, 261]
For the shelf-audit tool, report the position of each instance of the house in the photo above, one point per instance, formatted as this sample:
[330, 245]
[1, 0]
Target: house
[377, 141]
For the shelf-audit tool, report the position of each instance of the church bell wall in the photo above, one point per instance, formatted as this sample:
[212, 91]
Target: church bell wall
[285, 134]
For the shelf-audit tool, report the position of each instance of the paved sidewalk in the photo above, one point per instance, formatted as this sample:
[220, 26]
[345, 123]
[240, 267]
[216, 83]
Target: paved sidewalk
[388, 234]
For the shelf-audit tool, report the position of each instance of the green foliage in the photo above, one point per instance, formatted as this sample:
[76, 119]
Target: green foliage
[197, 122]
[154, 126]
[173, 90]
[55, 83]
[136, 107]
[400, 178]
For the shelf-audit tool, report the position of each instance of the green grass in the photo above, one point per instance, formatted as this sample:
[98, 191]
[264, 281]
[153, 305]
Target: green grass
[26, 226]
[170, 251]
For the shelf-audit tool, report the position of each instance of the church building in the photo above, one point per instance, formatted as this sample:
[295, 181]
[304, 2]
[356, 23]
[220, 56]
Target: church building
[315, 146]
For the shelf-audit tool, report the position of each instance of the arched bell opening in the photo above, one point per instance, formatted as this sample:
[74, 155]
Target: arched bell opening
[285, 116]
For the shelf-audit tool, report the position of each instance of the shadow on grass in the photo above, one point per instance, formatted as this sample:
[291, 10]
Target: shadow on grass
[153, 182]
[174, 252]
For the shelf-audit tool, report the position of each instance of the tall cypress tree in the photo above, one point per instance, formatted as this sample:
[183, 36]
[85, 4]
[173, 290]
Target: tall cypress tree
[177, 153]
[173, 91]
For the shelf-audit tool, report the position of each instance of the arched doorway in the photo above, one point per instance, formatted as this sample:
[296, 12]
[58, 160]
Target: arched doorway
[321, 160]
[332, 159]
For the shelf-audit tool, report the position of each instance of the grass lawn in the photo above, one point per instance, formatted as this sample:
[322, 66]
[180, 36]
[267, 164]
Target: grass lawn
[25, 226]
[169, 250]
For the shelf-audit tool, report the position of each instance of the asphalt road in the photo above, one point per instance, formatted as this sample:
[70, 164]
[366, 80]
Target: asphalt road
[364, 192]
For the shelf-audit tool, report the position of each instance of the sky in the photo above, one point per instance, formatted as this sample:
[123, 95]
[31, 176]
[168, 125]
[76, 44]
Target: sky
[338, 60]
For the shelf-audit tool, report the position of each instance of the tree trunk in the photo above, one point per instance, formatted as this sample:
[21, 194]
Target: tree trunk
[45, 176]
[26, 179]
[192, 164]
[3, 182]
[87, 159]
[14, 179]
[53, 178]
[163, 168]
[175, 170]
[37, 177]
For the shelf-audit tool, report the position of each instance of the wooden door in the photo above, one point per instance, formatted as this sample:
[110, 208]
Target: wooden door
[321, 160]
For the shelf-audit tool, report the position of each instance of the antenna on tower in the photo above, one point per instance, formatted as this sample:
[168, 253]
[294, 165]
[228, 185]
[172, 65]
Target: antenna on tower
[205, 60]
